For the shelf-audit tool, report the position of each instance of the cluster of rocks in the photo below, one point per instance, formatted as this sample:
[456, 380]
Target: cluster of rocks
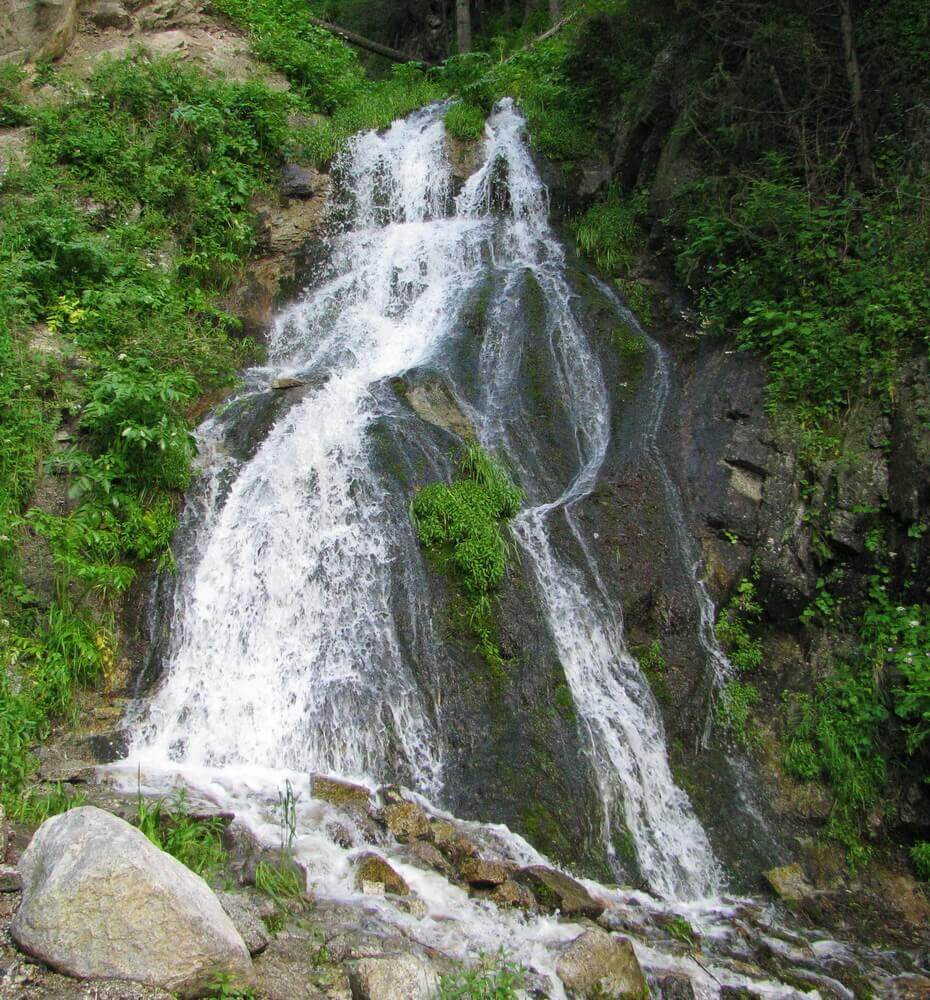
[444, 846]
[99, 902]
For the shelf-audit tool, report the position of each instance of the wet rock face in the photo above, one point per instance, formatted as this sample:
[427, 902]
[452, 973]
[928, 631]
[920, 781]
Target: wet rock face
[101, 901]
[556, 891]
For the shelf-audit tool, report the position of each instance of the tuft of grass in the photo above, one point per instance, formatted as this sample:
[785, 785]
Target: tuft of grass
[464, 121]
[198, 844]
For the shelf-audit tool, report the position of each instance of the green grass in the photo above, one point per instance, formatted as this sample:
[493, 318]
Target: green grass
[198, 844]
[461, 525]
[464, 121]
[281, 881]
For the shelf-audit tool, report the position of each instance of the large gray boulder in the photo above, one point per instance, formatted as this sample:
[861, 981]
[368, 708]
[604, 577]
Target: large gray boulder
[100, 901]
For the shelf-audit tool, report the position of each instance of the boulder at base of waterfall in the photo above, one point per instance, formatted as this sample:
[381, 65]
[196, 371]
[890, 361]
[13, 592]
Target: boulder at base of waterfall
[790, 883]
[427, 855]
[342, 794]
[557, 891]
[485, 874]
[511, 893]
[394, 977]
[407, 821]
[100, 901]
[598, 965]
[373, 868]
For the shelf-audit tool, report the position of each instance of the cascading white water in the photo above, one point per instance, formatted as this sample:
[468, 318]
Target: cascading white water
[285, 652]
[620, 716]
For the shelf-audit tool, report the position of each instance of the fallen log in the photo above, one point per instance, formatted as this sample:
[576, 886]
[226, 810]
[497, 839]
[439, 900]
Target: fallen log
[359, 41]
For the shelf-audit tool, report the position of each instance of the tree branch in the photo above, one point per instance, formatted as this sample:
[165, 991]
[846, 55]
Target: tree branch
[359, 41]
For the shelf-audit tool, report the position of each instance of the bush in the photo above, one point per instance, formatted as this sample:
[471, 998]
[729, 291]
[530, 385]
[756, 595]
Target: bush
[491, 980]
[461, 526]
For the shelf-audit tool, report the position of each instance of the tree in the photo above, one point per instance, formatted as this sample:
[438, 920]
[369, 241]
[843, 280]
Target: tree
[555, 10]
[463, 24]
[863, 135]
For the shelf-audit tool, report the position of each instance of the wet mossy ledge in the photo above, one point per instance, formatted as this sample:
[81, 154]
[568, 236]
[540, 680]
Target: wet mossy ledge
[461, 525]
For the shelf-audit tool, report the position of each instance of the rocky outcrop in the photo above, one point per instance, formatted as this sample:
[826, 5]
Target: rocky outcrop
[597, 964]
[36, 29]
[406, 821]
[101, 901]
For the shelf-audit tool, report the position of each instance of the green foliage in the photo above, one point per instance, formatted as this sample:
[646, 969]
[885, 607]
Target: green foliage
[652, 662]
[681, 930]
[492, 979]
[920, 855]
[462, 521]
[829, 290]
[197, 843]
[13, 111]
[327, 76]
[733, 712]
[226, 987]
[36, 806]
[464, 121]
[279, 880]
[460, 525]
[609, 232]
[733, 628]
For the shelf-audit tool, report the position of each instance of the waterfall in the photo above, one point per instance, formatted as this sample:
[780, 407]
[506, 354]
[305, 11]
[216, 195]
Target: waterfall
[286, 648]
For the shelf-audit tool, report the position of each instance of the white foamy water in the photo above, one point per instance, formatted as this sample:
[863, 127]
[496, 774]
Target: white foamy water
[285, 651]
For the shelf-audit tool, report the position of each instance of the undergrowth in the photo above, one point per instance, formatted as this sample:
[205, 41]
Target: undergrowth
[327, 75]
[116, 241]
[494, 978]
[461, 524]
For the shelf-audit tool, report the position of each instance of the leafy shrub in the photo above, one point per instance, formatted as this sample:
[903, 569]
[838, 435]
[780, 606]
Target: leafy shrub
[491, 980]
[734, 712]
[733, 628]
[460, 525]
[462, 521]
[828, 311]
[13, 111]
[609, 232]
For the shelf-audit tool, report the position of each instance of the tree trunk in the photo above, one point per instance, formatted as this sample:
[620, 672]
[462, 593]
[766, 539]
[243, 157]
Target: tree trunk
[463, 24]
[863, 135]
[555, 10]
